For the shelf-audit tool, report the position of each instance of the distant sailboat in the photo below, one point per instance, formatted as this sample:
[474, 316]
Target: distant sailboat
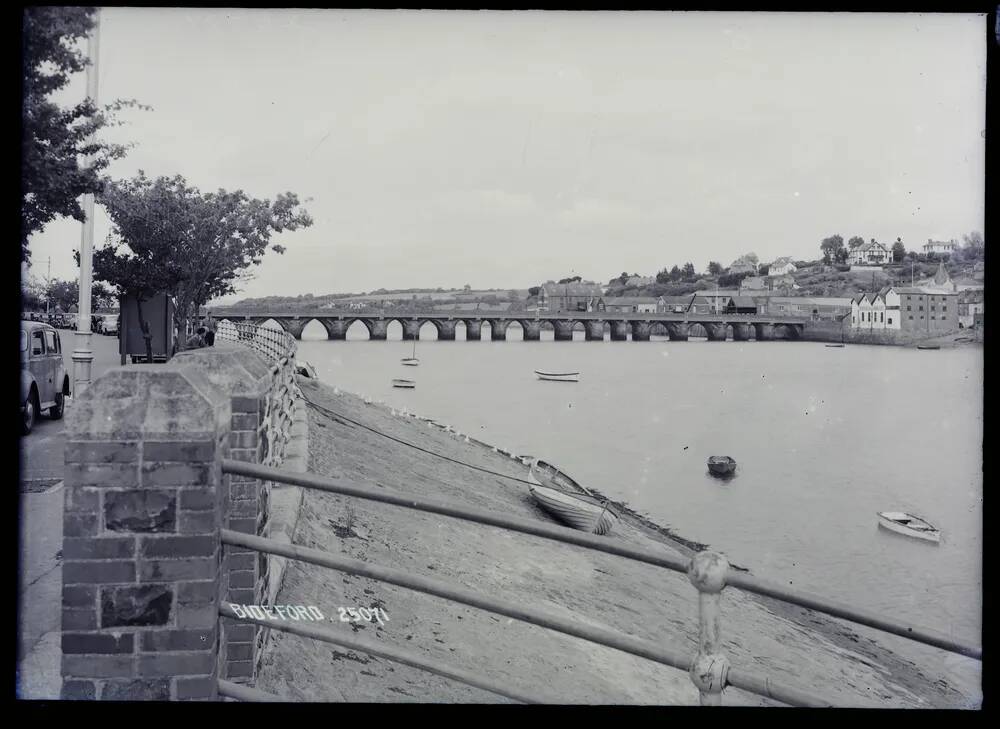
[412, 360]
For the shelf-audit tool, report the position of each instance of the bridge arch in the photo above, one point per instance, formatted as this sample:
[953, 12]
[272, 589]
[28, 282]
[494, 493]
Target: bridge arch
[787, 331]
[353, 332]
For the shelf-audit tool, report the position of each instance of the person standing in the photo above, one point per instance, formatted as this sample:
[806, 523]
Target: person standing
[208, 323]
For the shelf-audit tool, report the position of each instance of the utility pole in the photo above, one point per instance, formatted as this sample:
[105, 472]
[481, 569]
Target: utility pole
[83, 356]
[48, 286]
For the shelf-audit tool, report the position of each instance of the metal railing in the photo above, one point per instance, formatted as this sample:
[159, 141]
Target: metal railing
[709, 572]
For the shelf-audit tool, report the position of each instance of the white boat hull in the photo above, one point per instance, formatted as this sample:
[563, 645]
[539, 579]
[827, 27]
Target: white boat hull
[573, 510]
[928, 535]
[558, 377]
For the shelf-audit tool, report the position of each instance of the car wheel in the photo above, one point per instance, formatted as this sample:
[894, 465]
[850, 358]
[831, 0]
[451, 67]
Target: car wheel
[30, 413]
[56, 411]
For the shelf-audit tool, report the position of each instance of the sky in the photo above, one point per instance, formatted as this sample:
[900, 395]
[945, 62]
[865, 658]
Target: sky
[505, 149]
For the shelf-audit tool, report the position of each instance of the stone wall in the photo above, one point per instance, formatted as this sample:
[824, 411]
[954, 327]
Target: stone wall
[145, 499]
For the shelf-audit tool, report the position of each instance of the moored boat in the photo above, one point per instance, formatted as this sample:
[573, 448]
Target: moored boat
[408, 384]
[928, 346]
[568, 501]
[559, 376]
[835, 345]
[721, 465]
[410, 361]
[909, 525]
[305, 369]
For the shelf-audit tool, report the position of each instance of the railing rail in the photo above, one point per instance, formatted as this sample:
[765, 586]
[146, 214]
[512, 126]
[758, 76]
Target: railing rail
[570, 536]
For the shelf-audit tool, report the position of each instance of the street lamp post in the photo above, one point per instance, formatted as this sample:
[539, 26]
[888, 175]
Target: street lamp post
[83, 356]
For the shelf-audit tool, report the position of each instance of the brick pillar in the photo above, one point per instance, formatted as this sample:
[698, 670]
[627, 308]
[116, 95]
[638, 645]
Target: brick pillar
[243, 377]
[473, 330]
[498, 330]
[142, 572]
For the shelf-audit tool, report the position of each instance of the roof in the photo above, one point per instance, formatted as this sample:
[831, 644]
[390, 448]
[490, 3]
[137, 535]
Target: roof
[629, 300]
[923, 290]
[783, 261]
[29, 325]
[572, 289]
[741, 301]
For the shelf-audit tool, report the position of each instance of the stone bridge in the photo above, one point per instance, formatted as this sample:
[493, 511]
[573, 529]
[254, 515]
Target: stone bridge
[717, 327]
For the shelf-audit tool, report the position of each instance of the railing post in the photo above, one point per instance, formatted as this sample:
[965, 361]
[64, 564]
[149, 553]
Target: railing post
[707, 572]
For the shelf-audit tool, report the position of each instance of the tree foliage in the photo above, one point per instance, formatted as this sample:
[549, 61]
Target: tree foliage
[169, 237]
[898, 250]
[688, 272]
[855, 241]
[572, 279]
[55, 139]
[830, 246]
[714, 268]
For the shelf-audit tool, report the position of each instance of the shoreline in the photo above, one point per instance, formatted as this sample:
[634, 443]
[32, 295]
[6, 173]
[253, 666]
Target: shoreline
[868, 673]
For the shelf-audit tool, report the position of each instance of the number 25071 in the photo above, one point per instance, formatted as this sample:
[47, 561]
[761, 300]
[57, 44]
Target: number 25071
[348, 615]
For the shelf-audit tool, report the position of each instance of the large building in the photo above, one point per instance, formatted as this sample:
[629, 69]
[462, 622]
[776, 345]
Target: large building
[628, 304]
[871, 253]
[971, 308]
[569, 296]
[937, 246]
[742, 265]
[916, 309]
[782, 266]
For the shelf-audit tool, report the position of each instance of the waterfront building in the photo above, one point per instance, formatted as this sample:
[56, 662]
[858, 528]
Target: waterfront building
[676, 304]
[741, 305]
[575, 296]
[871, 253]
[628, 304]
[937, 246]
[915, 309]
[815, 307]
[782, 266]
[971, 308]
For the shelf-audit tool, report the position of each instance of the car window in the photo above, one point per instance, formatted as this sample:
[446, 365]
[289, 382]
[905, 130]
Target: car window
[24, 341]
[50, 342]
[37, 344]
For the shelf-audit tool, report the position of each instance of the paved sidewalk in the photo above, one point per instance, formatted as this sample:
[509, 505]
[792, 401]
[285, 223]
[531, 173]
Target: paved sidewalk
[39, 598]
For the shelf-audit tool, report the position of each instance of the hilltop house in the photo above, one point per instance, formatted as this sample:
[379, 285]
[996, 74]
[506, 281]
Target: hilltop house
[782, 266]
[936, 246]
[742, 265]
[569, 296]
[871, 253]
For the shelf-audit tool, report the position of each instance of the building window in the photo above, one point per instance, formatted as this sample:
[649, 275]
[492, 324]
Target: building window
[881, 316]
[909, 308]
[944, 308]
[890, 320]
[911, 316]
[933, 308]
[921, 309]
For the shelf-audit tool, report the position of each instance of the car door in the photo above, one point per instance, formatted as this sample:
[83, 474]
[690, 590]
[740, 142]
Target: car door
[53, 358]
[38, 363]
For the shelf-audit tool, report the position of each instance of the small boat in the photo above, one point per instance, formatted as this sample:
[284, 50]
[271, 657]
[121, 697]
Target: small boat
[721, 465]
[835, 345]
[575, 510]
[568, 501]
[559, 376]
[412, 360]
[408, 384]
[928, 346]
[305, 369]
[908, 524]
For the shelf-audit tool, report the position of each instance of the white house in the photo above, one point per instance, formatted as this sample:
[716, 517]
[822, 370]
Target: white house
[871, 253]
[936, 246]
[781, 267]
[742, 265]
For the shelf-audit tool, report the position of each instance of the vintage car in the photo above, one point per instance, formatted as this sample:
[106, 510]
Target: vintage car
[44, 381]
[107, 323]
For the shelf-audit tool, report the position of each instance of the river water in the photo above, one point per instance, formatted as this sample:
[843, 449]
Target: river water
[824, 437]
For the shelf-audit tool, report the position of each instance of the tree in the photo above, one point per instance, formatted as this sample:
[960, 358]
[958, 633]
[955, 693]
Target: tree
[830, 246]
[168, 237]
[898, 250]
[534, 290]
[714, 268]
[840, 255]
[675, 274]
[65, 294]
[975, 246]
[570, 280]
[855, 242]
[763, 270]
[663, 276]
[55, 139]
[688, 272]
[32, 294]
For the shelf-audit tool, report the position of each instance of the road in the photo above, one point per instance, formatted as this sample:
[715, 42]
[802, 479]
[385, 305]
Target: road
[40, 522]
[42, 450]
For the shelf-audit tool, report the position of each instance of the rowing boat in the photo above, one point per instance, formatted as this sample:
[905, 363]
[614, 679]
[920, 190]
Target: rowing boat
[909, 525]
[568, 501]
[559, 376]
[928, 346]
[721, 465]
[408, 384]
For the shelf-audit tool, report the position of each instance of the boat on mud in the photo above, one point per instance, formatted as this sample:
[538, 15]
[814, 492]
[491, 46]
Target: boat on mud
[909, 525]
[721, 465]
[568, 501]
[558, 376]
[407, 384]
[928, 346]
